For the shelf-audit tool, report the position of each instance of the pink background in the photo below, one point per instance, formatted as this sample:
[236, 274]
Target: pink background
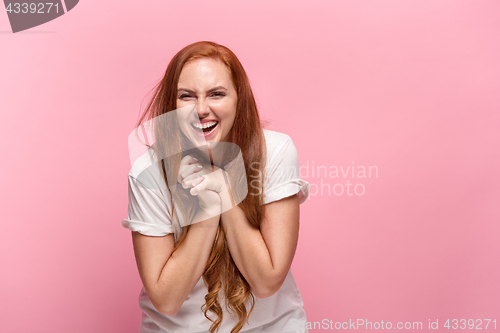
[411, 87]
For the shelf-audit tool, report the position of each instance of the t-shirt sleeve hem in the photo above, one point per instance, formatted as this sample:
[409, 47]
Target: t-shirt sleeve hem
[147, 229]
[287, 189]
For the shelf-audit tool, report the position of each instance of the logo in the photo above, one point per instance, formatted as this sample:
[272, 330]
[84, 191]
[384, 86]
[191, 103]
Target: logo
[173, 153]
[28, 14]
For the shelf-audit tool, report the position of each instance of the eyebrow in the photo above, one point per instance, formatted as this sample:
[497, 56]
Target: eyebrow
[209, 91]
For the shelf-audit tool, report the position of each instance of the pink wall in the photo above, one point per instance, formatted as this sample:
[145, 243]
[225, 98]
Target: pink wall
[410, 88]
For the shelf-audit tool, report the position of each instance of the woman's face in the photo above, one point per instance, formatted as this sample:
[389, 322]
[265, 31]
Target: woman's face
[206, 84]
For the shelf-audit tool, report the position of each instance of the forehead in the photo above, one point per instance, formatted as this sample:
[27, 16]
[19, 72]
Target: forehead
[204, 72]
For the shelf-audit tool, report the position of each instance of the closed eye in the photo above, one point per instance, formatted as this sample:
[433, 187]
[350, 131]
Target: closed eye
[218, 94]
[184, 96]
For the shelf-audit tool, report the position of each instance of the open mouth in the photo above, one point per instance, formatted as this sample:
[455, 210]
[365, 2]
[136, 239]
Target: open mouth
[205, 128]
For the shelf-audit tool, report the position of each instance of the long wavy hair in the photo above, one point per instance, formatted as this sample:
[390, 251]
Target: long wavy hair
[221, 273]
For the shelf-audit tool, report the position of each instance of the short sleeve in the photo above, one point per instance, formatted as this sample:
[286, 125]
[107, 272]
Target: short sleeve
[283, 176]
[148, 211]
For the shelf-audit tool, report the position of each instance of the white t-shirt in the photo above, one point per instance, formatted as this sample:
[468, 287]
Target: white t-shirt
[149, 213]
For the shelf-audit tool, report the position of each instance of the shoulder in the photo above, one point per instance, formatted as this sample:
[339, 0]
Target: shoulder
[146, 172]
[279, 145]
[274, 138]
[142, 162]
[282, 175]
[276, 142]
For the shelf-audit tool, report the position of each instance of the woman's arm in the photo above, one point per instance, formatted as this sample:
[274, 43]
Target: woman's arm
[169, 277]
[264, 256]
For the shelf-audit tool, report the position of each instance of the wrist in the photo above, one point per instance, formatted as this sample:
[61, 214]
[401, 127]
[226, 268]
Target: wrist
[205, 213]
[226, 198]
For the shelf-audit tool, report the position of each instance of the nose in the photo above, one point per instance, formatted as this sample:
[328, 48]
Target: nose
[202, 108]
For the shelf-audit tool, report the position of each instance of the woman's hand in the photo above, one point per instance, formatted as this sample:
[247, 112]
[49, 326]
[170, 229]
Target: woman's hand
[206, 184]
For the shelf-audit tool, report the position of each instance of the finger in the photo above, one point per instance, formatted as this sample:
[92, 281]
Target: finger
[188, 159]
[194, 176]
[196, 181]
[185, 162]
[191, 170]
[188, 170]
[202, 185]
[187, 183]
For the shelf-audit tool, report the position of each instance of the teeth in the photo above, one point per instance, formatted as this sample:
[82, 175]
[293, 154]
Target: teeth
[205, 125]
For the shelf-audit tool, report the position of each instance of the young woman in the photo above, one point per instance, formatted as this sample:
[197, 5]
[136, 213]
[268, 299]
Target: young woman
[208, 265]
